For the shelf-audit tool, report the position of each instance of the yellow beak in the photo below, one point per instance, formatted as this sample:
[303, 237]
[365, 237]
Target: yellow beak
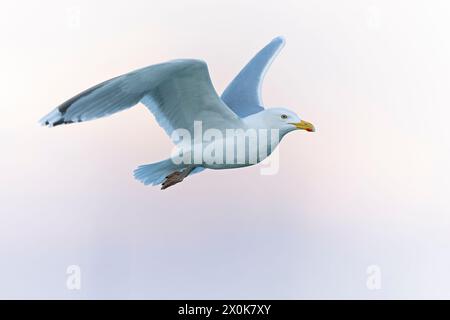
[304, 125]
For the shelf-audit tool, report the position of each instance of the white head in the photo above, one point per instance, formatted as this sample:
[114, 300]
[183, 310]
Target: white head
[282, 119]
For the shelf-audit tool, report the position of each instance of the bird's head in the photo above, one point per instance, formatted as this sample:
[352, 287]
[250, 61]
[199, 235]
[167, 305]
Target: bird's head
[285, 120]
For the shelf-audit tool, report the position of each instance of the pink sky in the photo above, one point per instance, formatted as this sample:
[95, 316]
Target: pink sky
[369, 187]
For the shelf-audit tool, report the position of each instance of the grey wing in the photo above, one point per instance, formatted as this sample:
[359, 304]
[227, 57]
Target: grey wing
[177, 92]
[243, 94]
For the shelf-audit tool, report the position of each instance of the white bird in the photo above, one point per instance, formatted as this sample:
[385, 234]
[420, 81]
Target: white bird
[180, 95]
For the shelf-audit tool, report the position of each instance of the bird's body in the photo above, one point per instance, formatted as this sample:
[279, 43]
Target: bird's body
[209, 131]
[248, 142]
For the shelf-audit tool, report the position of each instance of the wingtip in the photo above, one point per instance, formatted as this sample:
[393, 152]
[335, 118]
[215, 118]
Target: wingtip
[280, 39]
[52, 119]
[44, 122]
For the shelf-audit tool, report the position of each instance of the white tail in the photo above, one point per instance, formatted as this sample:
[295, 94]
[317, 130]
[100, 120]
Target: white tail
[155, 173]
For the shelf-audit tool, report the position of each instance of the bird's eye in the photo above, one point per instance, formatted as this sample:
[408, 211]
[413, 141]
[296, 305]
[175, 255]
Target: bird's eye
[283, 116]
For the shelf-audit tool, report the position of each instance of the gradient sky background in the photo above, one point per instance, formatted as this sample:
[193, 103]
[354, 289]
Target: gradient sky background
[370, 187]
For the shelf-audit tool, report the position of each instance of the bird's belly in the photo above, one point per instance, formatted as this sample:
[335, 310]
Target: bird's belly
[227, 152]
[219, 166]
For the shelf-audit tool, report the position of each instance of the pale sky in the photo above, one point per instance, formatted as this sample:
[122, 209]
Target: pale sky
[370, 187]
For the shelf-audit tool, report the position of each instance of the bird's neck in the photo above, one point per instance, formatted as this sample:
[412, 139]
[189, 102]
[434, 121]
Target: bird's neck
[255, 121]
[259, 122]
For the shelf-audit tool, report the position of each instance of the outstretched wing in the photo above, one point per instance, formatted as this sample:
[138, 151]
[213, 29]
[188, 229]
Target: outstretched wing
[178, 93]
[243, 94]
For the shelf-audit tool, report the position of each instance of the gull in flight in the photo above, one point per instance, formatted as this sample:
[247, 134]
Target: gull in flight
[181, 96]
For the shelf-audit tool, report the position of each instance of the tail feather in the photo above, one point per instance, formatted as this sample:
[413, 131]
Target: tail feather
[156, 173]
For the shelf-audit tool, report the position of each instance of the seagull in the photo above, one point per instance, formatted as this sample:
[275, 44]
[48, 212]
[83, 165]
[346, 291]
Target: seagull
[180, 95]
